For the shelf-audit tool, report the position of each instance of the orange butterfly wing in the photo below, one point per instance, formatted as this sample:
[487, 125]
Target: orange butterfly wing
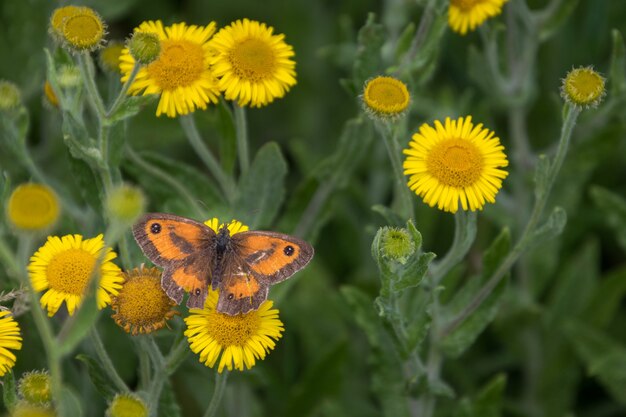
[184, 248]
[256, 261]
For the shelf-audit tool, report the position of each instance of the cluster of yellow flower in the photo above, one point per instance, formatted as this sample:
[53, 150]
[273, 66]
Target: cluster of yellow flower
[193, 65]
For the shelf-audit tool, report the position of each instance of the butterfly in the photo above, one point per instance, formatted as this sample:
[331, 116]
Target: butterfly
[242, 266]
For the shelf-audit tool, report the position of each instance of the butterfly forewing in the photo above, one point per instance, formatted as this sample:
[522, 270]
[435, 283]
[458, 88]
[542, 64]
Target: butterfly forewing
[271, 256]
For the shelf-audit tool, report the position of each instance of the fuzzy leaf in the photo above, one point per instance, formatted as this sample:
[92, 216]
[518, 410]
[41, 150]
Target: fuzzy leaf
[168, 406]
[225, 125]
[606, 299]
[367, 63]
[9, 393]
[555, 17]
[551, 228]
[70, 403]
[617, 72]
[130, 107]
[613, 207]
[604, 358]
[98, 376]
[488, 402]
[78, 326]
[361, 305]
[262, 189]
[404, 41]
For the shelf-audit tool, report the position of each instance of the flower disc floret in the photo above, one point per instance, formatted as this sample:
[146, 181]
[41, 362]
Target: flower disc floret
[33, 207]
[385, 98]
[583, 87]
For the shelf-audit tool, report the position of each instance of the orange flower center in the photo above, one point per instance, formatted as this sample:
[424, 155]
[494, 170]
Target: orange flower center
[180, 65]
[455, 162]
[465, 5]
[69, 271]
[252, 59]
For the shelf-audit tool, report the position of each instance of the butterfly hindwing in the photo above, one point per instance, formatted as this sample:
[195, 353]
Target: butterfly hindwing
[272, 257]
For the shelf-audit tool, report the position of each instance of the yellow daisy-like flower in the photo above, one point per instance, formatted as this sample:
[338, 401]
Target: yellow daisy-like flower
[238, 341]
[181, 73]
[58, 18]
[583, 87]
[10, 339]
[127, 405]
[141, 306]
[235, 226]
[464, 15]
[455, 162]
[33, 207]
[254, 65]
[386, 98]
[64, 266]
[25, 409]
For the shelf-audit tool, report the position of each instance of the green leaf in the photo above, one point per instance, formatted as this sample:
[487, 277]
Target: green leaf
[553, 18]
[321, 381]
[606, 299]
[361, 305]
[98, 376]
[9, 393]
[225, 125]
[464, 335]
[116, 144]
[488, 402]
[389, 215]
[551, 228]
[70, 403]
[262, 189]
[168, 406]
[404, 41]
[367, 63]
[617, 71]
[574, 285]
[605, 359]
[130, 107]
[613, 206]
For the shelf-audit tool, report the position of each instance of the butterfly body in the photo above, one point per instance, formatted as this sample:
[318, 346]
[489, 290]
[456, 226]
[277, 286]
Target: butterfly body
[242, 266]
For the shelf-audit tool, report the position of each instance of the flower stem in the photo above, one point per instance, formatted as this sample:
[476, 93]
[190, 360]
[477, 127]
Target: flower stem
[464, 234]
[158, 377]
[121, 97]
[524, 240]
[393, 150]
[218, 393]
[191, 130]
[87, 71]
[242, 138]
[106, 362]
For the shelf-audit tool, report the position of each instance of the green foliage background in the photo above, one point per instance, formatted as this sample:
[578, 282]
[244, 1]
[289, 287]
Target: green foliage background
[554, 340]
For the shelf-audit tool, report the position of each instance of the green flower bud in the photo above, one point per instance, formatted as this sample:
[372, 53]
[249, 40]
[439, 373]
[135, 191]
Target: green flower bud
[125, 203]
[144, 47]
[34, 388]
[10, 96]
[396, 244]
[127, 405]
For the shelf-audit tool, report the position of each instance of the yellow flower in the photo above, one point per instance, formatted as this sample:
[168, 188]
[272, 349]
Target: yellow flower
[181, 74]
[386, 98]
[24, 409]
[464, 15]
[238, 340]
[583, 87]
[253, 64]
[33, 207]
[141, 305]
[10, 339]
[235, 226]
[58, 18]
[64, 267]
[83, 30]
[455, 162]
[127, 405]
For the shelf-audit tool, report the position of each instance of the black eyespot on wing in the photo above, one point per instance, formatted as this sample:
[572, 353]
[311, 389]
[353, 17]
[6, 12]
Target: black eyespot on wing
[231, 296]
[155, 228]
[198, 292]
[289, 250]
